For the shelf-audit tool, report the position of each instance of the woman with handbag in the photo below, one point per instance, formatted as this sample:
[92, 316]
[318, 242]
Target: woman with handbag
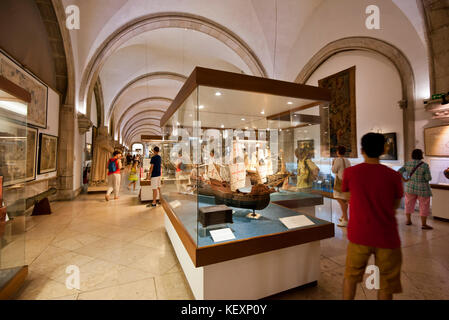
[417, 175]
[338, 167]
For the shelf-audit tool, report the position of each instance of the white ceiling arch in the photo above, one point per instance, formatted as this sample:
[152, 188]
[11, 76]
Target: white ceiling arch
[159, 21]
[137, 119]
[129, 139]
[145, 78]
[139, 123]
[149, 105]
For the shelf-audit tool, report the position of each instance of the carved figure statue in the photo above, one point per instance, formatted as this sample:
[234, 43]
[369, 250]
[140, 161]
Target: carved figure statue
[102, 152]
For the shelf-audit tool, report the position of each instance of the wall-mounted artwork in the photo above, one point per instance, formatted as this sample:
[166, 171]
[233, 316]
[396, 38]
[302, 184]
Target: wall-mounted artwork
[37, 108]
[18, 145]
[339, 127]
[391, 148]
[307, 146]
[436, 141]
[48, 148]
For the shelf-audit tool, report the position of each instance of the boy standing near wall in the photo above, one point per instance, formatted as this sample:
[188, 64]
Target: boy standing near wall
[376, 192]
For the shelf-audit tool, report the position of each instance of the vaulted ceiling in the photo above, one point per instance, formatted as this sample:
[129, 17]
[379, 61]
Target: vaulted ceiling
[142, 51]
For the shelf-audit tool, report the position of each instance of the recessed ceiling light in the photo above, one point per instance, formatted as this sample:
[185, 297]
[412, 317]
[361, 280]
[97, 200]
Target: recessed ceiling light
[246, 128]
[280, 129]
[177, 123]
[262, 112]
[310, 124]
[201, 107]
[222, 125]
[218, 93]
[289, 102]
[243, 119]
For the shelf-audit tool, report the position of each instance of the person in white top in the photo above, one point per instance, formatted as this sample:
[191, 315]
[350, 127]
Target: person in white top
[338, 166]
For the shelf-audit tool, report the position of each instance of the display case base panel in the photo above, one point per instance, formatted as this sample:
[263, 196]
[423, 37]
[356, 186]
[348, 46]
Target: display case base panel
[242, 227]
[252, 277]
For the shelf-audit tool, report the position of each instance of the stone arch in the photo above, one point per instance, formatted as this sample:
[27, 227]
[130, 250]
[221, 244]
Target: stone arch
[147, 76]
[399, 60]
[140, 131]
[165, 20]
[133, 121]
[136, 104]
[142, 124]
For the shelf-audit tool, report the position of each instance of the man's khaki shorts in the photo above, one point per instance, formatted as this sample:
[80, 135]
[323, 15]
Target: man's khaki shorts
[388, 261]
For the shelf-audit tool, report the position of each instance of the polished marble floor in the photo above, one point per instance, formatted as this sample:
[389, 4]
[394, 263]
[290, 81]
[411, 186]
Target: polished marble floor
[123, 252]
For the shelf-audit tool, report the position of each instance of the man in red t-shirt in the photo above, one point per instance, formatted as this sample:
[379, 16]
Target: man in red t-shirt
[376, 192]
[114, 165]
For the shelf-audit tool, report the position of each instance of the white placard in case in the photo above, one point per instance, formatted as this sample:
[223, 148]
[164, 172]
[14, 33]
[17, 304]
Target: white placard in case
[222, 235]
[175, 204]
[296, 221]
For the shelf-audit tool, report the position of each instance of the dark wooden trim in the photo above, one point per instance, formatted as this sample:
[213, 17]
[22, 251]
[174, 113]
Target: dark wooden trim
[185, 237]
[207, 255]
[439, 186]
[14, 90]
[298, 203]
[188, 87]
[150, 137]
[236, 81]
[300, 108]
[247, 247]
[10, 289]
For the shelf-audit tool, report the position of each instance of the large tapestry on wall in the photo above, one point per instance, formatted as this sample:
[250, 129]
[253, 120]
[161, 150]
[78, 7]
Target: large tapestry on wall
[17, 152]
[37, 109]
[339, 127]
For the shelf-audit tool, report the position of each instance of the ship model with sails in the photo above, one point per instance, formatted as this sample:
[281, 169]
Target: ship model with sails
[228, 193]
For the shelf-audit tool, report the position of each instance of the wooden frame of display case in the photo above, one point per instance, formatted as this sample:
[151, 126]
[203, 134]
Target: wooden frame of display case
[206, 267]
[236, 81]
[202, 256]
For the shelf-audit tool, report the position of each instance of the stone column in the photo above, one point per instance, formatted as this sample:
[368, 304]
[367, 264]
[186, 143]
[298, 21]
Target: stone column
[66, 151]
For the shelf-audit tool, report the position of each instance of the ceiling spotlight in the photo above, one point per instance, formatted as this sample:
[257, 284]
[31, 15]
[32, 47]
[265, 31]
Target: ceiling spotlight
[201, 107]
[177, 123]
[290, 103]
[246, 128]
[262, 112]
[218, 93]
[243, 119]
[222, 126]
[280, 129]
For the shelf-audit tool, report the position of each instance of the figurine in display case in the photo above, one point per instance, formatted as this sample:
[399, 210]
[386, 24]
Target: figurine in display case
[307, 170]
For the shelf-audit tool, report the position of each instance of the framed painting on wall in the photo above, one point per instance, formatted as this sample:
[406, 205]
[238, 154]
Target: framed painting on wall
[339, 126]
[391, 148]
[436, 141]
[48, 150]
[18, 144]
[37, 108]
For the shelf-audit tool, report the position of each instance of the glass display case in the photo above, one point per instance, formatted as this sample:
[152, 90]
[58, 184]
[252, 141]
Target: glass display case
[252, 149]
[168, 168]
[18, 145]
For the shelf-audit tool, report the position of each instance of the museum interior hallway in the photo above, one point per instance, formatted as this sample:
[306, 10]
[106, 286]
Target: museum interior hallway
[123, 252]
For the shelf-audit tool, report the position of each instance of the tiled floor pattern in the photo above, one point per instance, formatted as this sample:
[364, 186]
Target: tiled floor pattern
[123, 252]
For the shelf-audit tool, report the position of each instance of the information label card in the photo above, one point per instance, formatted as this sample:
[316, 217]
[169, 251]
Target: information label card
[296, 221]
[222, 235]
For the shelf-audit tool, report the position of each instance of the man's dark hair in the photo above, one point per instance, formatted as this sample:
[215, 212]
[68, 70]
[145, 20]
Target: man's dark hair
[212, 152]
[341, 150]
[417, 154]
[116, 152]
[156, 149]
[373, 144]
